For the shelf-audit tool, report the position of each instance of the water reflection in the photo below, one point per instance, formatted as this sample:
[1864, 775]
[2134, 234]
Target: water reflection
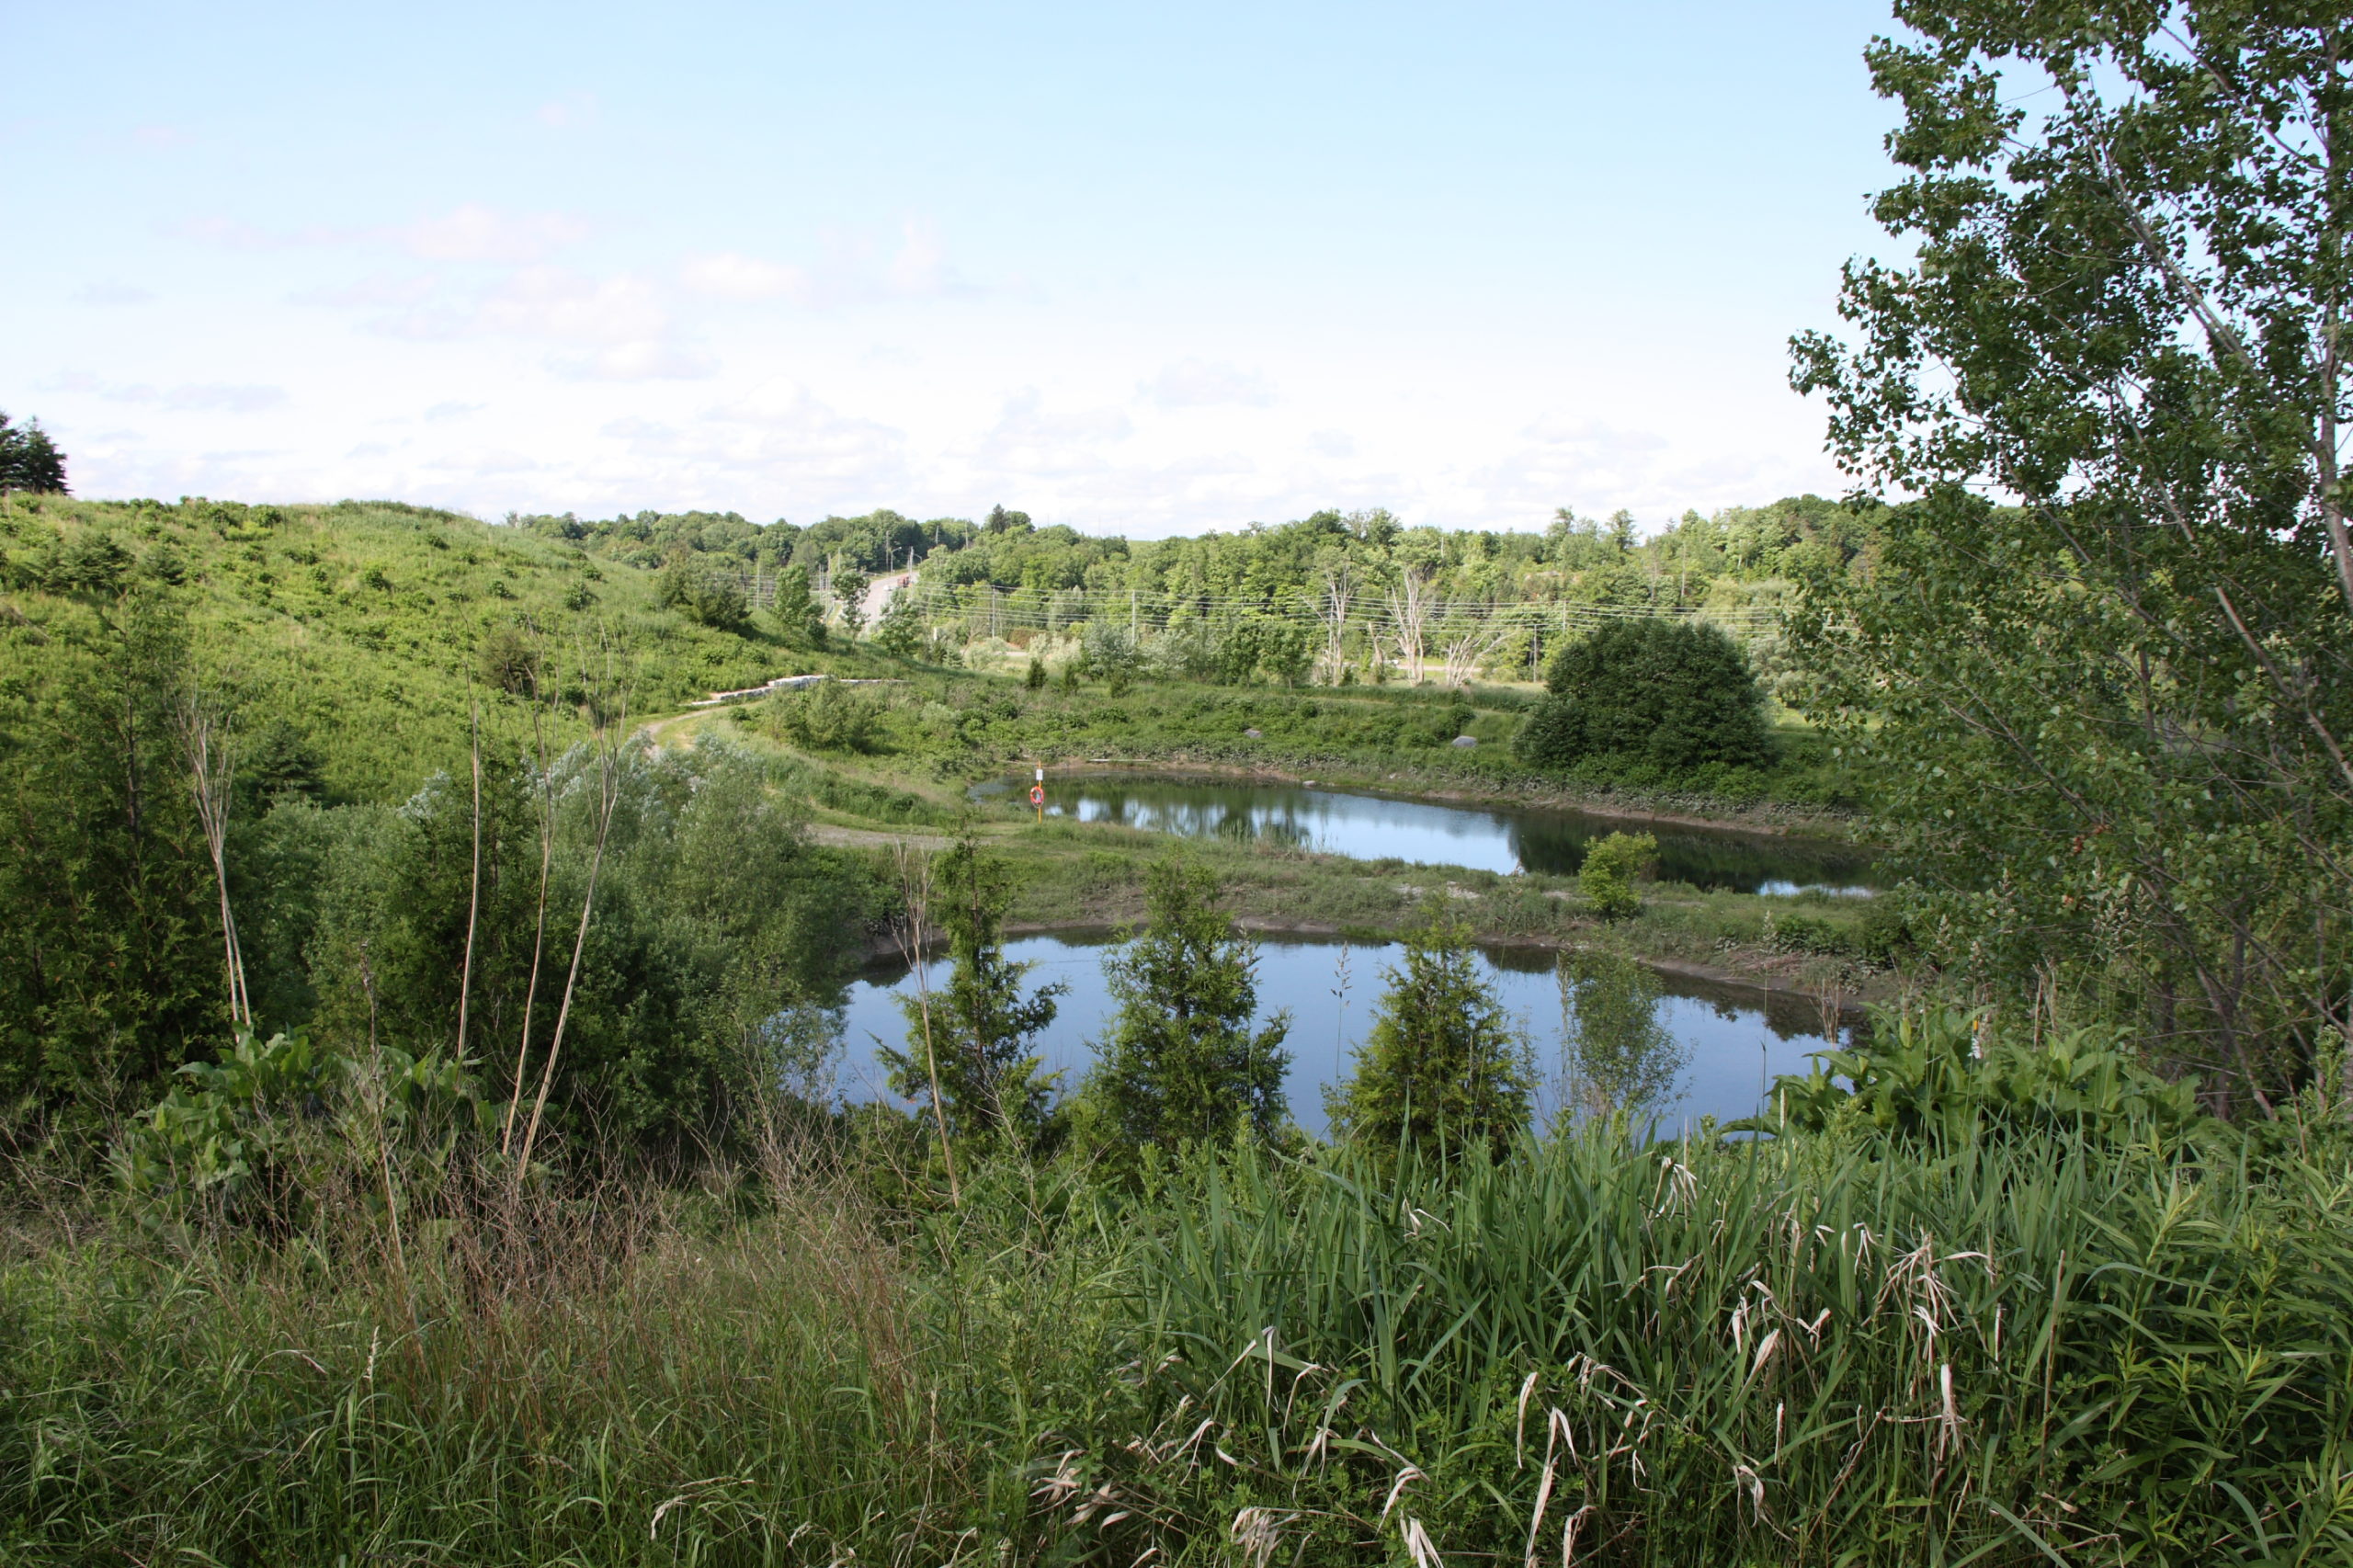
[1693, 1049]
[1492, 838]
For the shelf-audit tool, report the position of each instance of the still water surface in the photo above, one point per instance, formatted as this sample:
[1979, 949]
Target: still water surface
[1731, 1042]
[1491, 838]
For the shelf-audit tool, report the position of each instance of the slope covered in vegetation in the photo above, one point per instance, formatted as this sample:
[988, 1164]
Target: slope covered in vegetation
[359, 627]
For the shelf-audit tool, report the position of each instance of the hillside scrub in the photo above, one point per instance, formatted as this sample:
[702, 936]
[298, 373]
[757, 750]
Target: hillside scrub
[361, 626]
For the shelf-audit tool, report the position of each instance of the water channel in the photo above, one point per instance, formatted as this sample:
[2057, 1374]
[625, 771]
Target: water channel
[1485, 838]
[1729, 1042]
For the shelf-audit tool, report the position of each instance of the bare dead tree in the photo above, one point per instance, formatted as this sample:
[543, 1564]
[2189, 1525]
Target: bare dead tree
[914, 889]
[473, 894]
[1410, 601]
[608, 719]
[212, 770]
[539, 916]
[1469, 634]
[1339, 592]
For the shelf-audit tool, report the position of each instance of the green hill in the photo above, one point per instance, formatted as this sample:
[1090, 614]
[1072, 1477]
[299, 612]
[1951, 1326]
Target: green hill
[358, 626]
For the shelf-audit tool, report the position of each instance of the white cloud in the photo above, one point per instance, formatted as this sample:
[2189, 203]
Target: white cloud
[110, 294]
[1332, 443]
[921, 265]
[476, 233]
[549, 303]
[471, 231]
[440, 412]
[730, 275]
[541, 303]
[234, 233]
[1029, 440]
[648, 361]
[380, 291]
[1596, 467]
[189, 397]
[485, 462]
[1204, 383]
[853, 267]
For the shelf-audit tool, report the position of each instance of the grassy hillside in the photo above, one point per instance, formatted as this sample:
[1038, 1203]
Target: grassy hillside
[358, 625]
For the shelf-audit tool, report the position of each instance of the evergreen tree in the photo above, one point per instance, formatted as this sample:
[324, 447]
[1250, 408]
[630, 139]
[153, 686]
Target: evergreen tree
[981, 1027]
[1443, 1068]
[1181, 1062]
[29, 459]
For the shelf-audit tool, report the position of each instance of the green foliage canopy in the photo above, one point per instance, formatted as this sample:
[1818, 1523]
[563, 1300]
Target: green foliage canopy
[1606, 875]
[2109, 723]
[112, 970]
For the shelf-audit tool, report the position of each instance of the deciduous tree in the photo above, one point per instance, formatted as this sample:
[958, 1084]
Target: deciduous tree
[2103, 673]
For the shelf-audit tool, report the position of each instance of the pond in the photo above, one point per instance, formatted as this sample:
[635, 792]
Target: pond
[1719, 1047]
[1491, 838]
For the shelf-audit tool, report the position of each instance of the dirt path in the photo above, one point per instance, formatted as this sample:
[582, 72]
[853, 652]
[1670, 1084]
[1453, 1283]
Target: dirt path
[874, 839]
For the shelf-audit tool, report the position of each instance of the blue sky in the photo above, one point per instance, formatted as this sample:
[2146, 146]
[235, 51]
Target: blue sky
[1144, 269]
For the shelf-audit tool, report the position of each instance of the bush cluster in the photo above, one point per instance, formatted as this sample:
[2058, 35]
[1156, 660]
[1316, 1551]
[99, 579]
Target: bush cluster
[1675, 697]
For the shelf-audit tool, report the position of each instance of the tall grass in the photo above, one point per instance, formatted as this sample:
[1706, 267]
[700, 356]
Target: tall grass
[621, 1376]
[1590, 1353]
[1791, 1352]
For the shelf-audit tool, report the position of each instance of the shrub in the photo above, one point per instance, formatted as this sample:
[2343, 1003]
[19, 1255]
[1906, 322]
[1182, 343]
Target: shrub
[1940, 1074]
[900, 632]
[825, 716]
[1677, 694]
[1606, 875]
[238, 1131]
[798, 619]
[706, 592]
[1110, 652]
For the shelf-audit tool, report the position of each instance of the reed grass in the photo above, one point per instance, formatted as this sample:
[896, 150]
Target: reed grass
[1791, 1352]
